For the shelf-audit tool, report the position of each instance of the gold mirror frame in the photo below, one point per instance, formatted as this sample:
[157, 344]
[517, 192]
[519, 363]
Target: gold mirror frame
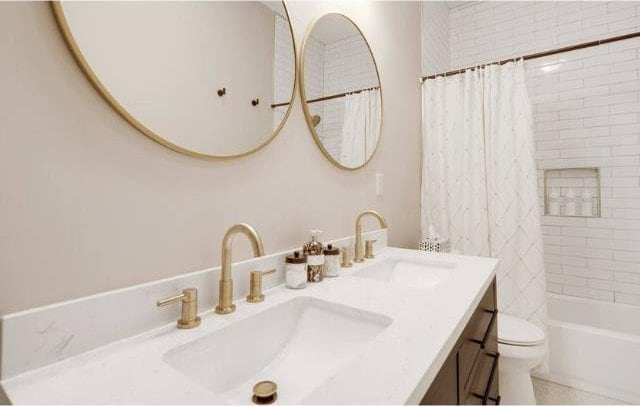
[61, 20]
[303, 95]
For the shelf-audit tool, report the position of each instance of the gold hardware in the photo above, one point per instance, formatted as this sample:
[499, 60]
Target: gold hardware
[225, 299]
[92, 76]
[368, 249]
[189, 299]
[346, 258]
[255, 286]
[265, 392]
[315, 120]
[358, 248]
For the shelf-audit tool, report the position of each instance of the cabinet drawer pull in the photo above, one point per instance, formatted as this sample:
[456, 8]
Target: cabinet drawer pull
[492, 376]
[483, 342]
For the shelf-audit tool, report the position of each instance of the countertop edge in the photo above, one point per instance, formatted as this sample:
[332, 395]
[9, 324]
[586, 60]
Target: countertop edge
[433, 370]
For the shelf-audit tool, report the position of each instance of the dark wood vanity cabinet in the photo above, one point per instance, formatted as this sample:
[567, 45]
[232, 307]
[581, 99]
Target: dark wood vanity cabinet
[470, 373]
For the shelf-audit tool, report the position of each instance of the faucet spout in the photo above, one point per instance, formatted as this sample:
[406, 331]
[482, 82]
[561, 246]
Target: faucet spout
[358, 257]
[225, 298]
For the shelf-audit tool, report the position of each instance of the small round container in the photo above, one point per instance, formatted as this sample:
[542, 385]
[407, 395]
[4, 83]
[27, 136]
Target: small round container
[331, 261]
[295, 271]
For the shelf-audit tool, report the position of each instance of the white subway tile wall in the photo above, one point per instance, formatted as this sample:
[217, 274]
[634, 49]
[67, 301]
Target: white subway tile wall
[435, 37]
[587, 113]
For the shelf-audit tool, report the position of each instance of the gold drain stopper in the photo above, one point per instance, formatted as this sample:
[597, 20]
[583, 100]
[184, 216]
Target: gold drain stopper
[265, 392]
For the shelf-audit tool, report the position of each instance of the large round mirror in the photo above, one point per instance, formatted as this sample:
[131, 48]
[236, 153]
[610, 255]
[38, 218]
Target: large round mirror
[210, 79]
[340, 89]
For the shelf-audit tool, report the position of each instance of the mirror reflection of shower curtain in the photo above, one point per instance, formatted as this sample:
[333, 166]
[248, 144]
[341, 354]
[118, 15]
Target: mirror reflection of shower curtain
[361, 127]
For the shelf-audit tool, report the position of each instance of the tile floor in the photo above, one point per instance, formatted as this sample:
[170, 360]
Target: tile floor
[549, 393]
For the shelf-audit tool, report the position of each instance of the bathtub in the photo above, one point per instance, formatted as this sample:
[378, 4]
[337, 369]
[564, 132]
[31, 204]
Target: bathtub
[594, 346]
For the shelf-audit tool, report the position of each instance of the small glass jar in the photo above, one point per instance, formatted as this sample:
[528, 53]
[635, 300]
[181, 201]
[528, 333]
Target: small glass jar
[295, 271]
[331, 261]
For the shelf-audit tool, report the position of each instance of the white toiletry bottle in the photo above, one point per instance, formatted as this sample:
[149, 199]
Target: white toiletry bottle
[587, 203]
[570, 203]
[554, 203]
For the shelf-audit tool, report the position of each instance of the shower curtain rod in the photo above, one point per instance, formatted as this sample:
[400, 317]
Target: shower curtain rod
[541, 54]
[333, 96]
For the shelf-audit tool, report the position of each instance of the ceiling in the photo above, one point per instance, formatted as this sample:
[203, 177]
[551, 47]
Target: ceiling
[276, 7]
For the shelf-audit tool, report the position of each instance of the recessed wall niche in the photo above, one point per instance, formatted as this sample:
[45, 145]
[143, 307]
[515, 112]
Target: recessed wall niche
[572, 192]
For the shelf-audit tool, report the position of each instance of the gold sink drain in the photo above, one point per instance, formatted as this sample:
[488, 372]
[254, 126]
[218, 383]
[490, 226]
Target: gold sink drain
[265, 392]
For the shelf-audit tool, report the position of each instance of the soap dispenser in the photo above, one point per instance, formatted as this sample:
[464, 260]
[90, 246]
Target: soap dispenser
[570, 203]
[313, 250]
[554, 203]
[587, 203]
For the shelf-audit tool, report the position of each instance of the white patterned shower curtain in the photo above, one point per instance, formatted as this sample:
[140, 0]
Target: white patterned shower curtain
[361, 127]
[479, 183]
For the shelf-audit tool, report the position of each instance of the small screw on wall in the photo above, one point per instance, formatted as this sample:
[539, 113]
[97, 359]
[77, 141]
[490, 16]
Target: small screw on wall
[222, 92]
[255, 102]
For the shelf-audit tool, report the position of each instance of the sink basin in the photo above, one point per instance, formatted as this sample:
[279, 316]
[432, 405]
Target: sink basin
[416, 273]
[297, 344]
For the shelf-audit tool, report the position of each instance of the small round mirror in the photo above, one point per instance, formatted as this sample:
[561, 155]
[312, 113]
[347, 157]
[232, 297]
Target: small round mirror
[340, 88]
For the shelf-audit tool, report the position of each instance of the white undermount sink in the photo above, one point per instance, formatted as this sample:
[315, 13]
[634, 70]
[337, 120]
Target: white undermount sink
[297, 344]
[413, 272]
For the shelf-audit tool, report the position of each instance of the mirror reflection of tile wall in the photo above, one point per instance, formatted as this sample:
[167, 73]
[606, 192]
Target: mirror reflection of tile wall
[284, 68]
[332, 68]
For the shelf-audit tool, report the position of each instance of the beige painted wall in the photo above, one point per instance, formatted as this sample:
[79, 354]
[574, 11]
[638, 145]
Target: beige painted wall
[88, 204]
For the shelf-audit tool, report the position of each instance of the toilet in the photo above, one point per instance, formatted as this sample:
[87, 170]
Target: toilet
[522, 347]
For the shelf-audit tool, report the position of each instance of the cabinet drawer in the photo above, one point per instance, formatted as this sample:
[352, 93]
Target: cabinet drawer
[476, 338]
[484, 384]
[443, 389]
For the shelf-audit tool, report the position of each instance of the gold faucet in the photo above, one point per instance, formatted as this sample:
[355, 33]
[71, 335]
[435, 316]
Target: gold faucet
[255, 286]
[358, 248]
[189, 299]
[225, 299]
[368, 249]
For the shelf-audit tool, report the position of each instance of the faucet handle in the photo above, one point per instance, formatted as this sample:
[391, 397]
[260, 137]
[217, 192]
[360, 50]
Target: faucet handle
[368, 249]
[346, 258]
[189, 299]
[255, 286]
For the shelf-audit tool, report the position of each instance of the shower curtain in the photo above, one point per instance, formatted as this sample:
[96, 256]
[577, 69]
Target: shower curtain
[479, 181]
[361, 127]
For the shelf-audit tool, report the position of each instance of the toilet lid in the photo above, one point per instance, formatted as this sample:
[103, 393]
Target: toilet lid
[516, 331]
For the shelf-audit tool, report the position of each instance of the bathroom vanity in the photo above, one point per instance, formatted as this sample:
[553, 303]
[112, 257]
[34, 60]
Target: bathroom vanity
[470, 374]
[405, 327]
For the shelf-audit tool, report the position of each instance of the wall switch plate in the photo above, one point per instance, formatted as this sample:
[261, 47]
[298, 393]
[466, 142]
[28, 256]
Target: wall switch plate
[379, 184]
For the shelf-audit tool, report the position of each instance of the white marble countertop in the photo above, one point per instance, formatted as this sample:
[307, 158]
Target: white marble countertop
[397, 367]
